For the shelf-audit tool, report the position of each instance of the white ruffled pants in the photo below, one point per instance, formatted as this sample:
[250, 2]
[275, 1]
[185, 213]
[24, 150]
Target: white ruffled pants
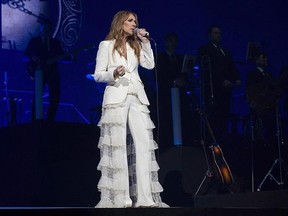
[127, 158]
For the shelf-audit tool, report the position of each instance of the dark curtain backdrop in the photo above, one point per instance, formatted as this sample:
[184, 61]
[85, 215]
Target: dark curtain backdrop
[241, 22]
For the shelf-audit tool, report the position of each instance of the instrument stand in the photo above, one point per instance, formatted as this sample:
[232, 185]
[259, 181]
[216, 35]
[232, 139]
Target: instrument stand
[205, 124]
[38, 94]
[205, 65]
[208, 174]
[252, 121]
[278, 161]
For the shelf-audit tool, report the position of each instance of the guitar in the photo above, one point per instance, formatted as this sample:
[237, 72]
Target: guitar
[32, 66]
[221, 167]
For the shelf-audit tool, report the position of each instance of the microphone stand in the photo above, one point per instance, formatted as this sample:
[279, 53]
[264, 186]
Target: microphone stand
[282, 168]
[252, 142]
[205, 67]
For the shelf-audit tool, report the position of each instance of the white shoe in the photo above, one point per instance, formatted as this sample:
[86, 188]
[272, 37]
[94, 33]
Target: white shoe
[128, 206]
[155, 205]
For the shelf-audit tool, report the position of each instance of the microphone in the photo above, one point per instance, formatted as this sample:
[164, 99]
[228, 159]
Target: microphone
[146, 34]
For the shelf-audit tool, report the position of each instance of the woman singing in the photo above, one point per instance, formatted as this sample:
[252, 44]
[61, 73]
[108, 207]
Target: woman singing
[128, 164]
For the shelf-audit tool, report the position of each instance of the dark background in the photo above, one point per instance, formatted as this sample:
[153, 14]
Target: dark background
[259, 21]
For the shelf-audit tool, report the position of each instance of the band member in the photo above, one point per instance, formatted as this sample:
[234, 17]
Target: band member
[43, 51]
[219, 76]
[259, 74]
[128, 165]
[259, 81]
[169, 70]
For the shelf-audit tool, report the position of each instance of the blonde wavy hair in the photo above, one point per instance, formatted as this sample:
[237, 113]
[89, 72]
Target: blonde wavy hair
[116, 32]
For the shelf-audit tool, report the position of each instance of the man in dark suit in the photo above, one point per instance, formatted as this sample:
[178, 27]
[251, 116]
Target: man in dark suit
[262, 96]
[43, 52]
[169, 71]
[262, 92]
[170, 63]
[259, 74]
[219, 76]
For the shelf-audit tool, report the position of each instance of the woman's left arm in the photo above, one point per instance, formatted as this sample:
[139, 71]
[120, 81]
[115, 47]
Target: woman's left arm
[147, 56]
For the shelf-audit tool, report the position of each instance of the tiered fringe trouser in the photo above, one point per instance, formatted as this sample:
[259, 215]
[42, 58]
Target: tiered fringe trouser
[129, 170]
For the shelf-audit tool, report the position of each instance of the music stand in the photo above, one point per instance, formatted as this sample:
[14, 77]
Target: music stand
[278, 161]
[188, 63]
[253, 49]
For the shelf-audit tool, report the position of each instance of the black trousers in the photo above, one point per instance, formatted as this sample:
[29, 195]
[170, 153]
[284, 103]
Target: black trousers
[52, 80]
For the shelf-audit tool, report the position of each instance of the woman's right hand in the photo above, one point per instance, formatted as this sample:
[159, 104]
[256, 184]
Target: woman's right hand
[119, 71]
[143, 35]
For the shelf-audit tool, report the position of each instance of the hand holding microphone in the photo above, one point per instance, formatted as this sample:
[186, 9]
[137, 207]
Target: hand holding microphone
[142, 34]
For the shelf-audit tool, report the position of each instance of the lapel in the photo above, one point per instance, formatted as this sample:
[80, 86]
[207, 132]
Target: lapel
[218, 50]
[262, 72]
[131, 61]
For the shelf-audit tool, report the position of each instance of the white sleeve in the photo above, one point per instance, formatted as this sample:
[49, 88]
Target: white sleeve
[146, 56]
[101, 73]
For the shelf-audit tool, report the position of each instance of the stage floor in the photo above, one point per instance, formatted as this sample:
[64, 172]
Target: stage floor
[145, 212]
[46, 167]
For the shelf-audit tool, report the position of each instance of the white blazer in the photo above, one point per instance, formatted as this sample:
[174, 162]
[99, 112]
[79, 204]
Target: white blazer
[107, 61]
